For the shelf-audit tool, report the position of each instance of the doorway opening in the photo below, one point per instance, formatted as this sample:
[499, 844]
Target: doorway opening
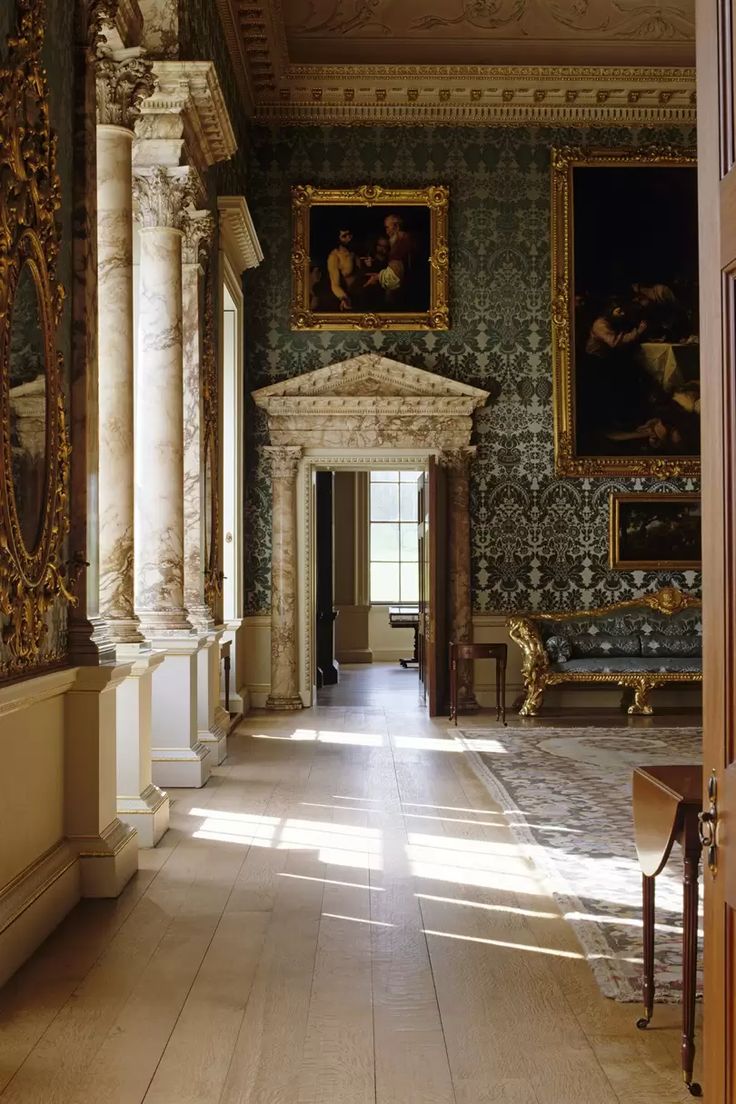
[367, 531]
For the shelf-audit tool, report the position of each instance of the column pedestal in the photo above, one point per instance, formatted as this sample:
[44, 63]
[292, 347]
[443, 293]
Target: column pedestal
[212, 731]
[107, 848]
[284, 657]
[139, 802]
[179, 758]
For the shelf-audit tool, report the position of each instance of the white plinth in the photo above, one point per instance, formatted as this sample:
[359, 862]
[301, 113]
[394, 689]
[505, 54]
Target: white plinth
[178, 756]
[139, 802]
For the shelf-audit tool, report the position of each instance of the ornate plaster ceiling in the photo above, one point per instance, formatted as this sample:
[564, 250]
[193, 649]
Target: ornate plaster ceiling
[464, 61]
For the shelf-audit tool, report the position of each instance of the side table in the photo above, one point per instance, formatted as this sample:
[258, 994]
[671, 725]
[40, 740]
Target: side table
[499, 652]
[667, 800]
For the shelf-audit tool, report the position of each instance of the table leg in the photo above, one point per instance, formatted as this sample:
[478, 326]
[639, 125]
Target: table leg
[503, 690]
[647, 886]
[498, 688]
[689, 964]
[453, 687]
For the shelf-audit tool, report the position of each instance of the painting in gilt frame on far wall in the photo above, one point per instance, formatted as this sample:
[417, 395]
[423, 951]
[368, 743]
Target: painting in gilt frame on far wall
[625, 312]
[649, 532]
[369, 258]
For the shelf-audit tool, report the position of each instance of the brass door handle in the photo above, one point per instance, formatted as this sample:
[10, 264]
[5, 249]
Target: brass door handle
[708, 825]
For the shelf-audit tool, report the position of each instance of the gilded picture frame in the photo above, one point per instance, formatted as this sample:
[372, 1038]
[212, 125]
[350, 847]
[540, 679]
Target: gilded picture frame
[370, 258]
[646, 531]
[624, 312]
[34, 440]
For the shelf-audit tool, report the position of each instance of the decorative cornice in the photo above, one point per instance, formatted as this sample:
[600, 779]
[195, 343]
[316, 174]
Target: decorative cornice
[187, 113]
[162, 195]
[238, 234]
[481, 96]
[122, 84]
[199, 228]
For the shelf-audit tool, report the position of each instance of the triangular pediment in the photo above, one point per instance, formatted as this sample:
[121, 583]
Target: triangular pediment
[370, 376]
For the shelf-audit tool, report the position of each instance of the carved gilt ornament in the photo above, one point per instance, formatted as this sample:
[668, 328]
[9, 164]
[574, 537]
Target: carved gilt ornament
[34, 507]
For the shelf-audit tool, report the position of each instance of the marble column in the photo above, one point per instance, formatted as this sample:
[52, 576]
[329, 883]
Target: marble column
[198, 228]
[121, 85]
[284, 622]
[460, 610]
[162, 197]
[123, 80]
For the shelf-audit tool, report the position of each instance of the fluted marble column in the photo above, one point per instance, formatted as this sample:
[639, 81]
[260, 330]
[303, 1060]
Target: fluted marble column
[284, 654]
[121, 85]
[162, 197]
[460, 610]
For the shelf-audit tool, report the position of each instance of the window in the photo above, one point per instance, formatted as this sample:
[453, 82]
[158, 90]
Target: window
[393, 537]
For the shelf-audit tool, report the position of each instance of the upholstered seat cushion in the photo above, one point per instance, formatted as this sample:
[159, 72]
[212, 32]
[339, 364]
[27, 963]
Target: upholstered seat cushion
[630, 665]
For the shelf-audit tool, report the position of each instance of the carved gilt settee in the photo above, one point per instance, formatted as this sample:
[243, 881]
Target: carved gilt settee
[640, 644]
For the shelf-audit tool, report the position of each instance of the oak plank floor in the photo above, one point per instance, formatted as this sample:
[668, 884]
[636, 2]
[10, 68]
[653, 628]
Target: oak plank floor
[340, 916]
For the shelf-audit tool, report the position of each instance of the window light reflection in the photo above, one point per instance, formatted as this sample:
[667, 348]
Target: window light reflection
[530, 948]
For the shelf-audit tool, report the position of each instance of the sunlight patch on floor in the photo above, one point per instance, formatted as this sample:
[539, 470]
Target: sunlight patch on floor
[526, 947]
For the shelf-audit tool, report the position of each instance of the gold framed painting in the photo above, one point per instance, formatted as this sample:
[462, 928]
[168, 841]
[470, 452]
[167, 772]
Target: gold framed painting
[625, 312]
[648, 532]
[370, 258]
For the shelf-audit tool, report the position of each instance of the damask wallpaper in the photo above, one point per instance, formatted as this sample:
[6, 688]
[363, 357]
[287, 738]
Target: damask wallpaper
[538, 542]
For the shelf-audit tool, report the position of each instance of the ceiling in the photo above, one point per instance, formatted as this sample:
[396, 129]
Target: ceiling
[469, 61]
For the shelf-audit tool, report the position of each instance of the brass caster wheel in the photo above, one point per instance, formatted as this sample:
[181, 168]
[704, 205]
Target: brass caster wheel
[642, 1023]
[694, 1089]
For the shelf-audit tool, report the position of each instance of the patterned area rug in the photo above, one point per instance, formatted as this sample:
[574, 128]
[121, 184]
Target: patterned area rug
[567, 795]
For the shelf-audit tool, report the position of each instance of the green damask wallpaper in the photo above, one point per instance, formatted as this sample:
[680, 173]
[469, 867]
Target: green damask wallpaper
[538, 542]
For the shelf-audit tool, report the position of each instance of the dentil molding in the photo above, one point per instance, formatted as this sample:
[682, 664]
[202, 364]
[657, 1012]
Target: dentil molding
[238, 234]
[185, 119]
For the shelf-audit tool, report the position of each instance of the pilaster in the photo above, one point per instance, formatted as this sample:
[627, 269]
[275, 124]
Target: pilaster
[284, 655]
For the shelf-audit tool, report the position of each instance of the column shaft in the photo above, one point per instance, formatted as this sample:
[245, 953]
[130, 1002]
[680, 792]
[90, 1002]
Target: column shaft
[159, 587]
[115, 335]
[284, 655]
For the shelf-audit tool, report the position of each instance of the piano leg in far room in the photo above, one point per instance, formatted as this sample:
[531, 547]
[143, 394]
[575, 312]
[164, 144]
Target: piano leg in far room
[415, 658]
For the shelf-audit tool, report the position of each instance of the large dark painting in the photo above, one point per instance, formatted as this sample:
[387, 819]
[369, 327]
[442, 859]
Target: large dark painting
[627, 381]
[370, 258]
[653, 531]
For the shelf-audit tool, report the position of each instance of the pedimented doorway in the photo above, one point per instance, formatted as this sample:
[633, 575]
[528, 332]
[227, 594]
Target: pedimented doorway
[365, 413]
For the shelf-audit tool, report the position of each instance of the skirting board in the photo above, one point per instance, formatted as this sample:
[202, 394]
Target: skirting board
[34, 903]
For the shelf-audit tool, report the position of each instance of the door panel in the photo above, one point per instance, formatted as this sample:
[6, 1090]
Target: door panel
[433, 661]
[717, 218]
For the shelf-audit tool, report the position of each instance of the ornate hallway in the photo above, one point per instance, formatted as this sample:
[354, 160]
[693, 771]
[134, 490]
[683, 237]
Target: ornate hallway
[340, 916]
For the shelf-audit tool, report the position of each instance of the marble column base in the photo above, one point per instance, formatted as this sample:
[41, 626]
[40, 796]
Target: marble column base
[178, 756]
[139, 802]
[107, 848]
[290, 704]
[124, 631]
[148, 814]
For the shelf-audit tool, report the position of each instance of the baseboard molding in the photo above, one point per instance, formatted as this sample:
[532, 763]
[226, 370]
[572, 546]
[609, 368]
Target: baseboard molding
[354, 655]
[34, 903]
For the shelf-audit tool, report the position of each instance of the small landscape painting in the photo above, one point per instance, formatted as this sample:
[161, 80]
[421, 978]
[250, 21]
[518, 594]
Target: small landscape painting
[653, 531]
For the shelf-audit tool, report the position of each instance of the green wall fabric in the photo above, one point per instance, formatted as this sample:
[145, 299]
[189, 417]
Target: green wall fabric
[538, 542]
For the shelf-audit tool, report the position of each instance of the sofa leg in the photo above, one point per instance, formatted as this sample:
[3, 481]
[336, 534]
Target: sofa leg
[640, 706]
[627, 697]
[533, 701]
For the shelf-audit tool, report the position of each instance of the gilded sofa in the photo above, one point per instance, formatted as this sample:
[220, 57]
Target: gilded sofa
[639, 645]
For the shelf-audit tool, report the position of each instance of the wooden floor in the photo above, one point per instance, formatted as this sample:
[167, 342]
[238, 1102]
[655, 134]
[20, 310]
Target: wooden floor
[339, 917]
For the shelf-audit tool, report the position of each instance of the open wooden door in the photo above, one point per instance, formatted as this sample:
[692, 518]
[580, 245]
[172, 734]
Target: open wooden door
[433, 661]
[716, 21]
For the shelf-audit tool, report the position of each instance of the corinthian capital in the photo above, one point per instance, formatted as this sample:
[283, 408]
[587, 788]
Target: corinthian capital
[457, 460]
[284, 460]
[122, 85]
[199, 228]
[162, 196]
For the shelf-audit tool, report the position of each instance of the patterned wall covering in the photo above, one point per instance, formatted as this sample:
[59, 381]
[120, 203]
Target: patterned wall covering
[538, 542]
